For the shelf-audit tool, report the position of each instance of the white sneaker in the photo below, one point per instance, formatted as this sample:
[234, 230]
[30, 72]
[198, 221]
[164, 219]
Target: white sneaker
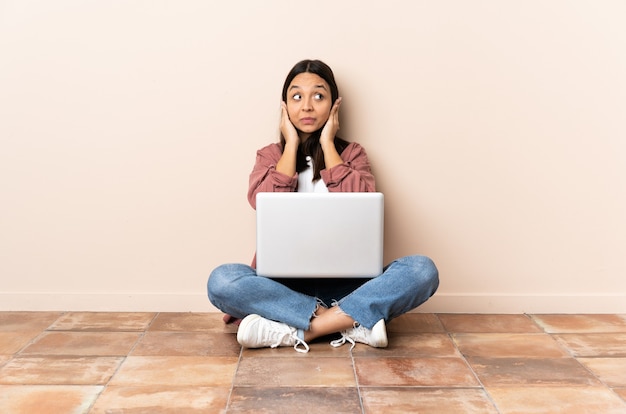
[258, 332]
[376, 337]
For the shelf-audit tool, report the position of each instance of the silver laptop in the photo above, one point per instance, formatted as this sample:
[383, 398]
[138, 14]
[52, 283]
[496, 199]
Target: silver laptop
[319, 234]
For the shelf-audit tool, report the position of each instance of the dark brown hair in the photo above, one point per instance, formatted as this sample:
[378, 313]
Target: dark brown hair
[311, 147]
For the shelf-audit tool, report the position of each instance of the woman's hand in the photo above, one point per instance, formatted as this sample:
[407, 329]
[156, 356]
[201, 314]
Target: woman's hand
[332, 125]
[287, 162]
[290, 133]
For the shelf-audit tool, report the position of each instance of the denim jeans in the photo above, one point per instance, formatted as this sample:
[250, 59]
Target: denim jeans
[405, 284]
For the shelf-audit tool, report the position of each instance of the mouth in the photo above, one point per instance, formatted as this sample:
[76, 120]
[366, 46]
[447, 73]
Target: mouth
[307, 121]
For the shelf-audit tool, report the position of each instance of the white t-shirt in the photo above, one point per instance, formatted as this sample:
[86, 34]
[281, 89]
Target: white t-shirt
[306, 183]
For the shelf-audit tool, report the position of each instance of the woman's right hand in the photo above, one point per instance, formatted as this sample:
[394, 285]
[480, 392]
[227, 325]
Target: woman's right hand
[290, 133]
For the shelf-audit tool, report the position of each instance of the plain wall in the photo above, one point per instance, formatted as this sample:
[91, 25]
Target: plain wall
[496, 131]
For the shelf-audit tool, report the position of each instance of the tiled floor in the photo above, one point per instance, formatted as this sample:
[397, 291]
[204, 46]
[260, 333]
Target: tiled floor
[191, 363]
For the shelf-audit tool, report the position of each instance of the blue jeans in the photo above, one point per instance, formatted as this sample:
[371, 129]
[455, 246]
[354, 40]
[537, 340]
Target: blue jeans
[405, 284]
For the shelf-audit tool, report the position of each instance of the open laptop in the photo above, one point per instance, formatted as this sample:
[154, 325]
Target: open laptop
[319, 234]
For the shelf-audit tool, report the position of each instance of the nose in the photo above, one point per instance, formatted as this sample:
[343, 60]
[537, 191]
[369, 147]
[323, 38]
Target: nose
[307, 105]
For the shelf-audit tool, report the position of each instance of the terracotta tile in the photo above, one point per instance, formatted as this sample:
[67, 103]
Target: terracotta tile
[83, 343]
[551, 400]
[531, 371]
[27, 321]
[416, 345]
[318, 349]
[611, 371]
[594, 345]
[621, 392]
[581, 323]
[290, 400]
[295, 371]
[103, 321]
[187, 344]
[162, 400]
[13, 341]
[415, 323]
[428, 372]
[191, 322]
[4, 358]
[47, 399]
[59, 371]
[176, 371]
[487, 323]
[426, 400]
[497, 345]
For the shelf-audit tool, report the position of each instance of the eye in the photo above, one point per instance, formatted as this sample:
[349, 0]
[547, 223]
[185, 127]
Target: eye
[318, 96]
[296, 97]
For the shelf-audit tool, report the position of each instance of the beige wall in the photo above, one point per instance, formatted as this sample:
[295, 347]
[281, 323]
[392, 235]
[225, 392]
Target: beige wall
[496, 130]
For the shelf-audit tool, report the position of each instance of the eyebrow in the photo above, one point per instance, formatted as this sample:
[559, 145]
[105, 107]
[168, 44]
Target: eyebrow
[320, 86]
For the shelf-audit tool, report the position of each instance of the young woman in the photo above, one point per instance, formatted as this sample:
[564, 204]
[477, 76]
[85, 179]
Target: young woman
[310, 157]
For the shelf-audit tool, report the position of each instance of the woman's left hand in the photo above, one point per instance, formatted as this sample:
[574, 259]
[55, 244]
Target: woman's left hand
[332, 125]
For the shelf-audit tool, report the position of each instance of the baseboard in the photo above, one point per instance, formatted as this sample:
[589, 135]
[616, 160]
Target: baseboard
[106, 302]
[516, 304]
[198, 302]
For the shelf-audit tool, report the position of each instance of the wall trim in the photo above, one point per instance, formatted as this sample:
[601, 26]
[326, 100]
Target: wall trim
[517, 304]
[198, 302]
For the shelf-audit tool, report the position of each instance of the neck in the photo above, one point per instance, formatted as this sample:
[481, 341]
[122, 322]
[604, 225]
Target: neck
[303, 137]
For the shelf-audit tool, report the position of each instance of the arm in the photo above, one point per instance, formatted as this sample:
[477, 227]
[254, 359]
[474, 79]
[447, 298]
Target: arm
[265, 177]
[349, 171]
[354, 174]
[327, 139]
[287, 162]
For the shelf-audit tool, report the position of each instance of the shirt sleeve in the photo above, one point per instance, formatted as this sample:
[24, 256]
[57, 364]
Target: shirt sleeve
[353, 175]
[264, 178]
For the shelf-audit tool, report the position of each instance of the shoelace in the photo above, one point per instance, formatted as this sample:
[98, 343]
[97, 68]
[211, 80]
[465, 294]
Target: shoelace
[344, 338]
[298, 341]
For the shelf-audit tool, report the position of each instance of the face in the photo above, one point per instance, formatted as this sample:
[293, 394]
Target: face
[308, 103]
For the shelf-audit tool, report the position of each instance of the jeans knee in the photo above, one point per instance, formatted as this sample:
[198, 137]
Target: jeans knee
[220, 282]
[425, 271]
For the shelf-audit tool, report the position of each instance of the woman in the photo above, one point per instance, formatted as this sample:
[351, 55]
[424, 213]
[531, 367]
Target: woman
[310, 157]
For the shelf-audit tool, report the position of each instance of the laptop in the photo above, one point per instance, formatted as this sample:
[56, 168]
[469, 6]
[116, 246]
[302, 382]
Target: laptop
[319, 235]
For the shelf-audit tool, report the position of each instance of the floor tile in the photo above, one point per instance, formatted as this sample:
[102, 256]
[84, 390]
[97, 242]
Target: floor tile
[4, 359]
[162, 400]
[47, 399]
[13, 341]
[621, 392]
[426, 401]
[191, 362]
[102, 321]
[556, 400]
[187, 344]
[191, 322]
[176, 371]
[416, 323]
[59, 370]
[318, 349]
[594, 345]
[27, 321]
[416, 345]
[295, 371]
[498, 345]
[531, 371]
[483, 323]
[581, 323]
[612, 371]
[429, 372]
[83, 343]
[290, 400]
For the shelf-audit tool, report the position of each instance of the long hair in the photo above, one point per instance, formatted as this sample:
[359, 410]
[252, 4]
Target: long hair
[311, 147]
